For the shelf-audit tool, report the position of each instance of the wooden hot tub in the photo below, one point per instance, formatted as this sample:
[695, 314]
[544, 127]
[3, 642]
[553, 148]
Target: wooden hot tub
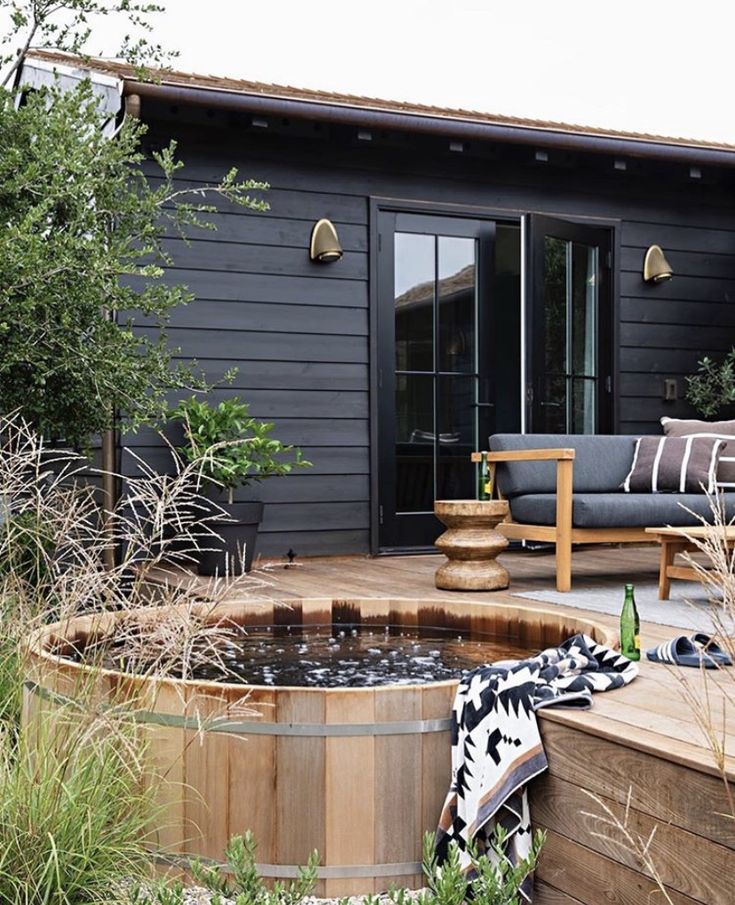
[357, 773]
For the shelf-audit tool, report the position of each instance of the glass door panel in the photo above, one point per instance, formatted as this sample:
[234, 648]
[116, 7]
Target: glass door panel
[435, 280]
[457, 304]
[435, 363]
[414, 442]
[414, 302]
[457, 425]
[569, 328]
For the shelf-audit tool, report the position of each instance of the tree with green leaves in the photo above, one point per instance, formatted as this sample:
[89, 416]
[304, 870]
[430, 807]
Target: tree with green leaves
[81, 237]
[66, 25]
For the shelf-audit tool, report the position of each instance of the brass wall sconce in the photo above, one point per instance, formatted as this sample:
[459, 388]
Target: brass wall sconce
[325, 246]
[656, 269]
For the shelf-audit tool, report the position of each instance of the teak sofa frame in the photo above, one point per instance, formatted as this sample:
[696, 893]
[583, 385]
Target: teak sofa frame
[562, 534]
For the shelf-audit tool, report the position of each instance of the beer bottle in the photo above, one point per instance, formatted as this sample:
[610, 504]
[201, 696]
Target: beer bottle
[630, 627]
[484, 485]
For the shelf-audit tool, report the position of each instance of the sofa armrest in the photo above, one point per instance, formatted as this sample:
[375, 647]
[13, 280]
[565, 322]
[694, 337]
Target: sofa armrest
[527, 455]
[564, 459]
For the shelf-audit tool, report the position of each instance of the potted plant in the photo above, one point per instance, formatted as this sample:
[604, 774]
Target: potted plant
[711, 391]
[233, 450]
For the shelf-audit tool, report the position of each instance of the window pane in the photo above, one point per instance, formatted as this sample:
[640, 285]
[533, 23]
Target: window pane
[414, 443]
[414, 301]
[457, 299]
[584, 310]
[555, 304]
[553, 407]
[456, 424]
[584, 406]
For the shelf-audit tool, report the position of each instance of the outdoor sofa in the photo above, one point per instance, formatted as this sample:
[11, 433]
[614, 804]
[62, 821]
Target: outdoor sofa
[566, 489]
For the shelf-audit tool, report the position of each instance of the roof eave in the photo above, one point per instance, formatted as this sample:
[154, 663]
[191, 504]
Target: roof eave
[467, 129]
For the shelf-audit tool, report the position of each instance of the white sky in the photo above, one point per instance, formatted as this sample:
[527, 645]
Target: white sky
[649, 66]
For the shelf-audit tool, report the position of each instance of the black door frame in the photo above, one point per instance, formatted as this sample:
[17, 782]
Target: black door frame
[377, 204]
[399, 206]
[417, 531]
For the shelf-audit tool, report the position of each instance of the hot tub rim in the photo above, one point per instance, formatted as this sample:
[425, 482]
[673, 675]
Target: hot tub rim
[35, 643]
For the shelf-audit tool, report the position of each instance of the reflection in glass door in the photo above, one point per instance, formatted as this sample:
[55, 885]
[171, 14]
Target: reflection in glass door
[437, 395]
[570, 328]
[435, 366]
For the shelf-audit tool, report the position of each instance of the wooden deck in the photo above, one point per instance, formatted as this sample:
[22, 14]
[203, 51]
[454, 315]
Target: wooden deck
[643, 739]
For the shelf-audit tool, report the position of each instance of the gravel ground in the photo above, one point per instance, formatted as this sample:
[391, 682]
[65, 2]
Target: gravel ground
[195, 895]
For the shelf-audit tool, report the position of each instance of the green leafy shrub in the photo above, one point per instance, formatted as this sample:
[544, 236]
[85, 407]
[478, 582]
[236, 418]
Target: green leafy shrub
[495, 881]
[237, 881]
[82, 235]
[712, 388]
[234, 448]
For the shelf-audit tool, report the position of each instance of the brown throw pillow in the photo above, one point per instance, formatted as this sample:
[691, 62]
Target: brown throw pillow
[674, 465]
[722, 430]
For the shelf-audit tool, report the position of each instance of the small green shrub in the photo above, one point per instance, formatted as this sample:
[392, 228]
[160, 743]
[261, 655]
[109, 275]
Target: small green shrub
[712, 388]
[234, 448]
[237, 881]
[163, 892]
[495, 880]
[240, 881]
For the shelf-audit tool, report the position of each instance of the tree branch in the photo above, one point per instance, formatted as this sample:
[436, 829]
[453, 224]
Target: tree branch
[18, 62]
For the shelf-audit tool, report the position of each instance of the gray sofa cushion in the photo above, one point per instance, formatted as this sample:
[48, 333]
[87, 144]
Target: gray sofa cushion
[618, 510]
[601, 464]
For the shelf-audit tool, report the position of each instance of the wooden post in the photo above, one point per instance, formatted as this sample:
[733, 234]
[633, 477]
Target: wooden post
[109, 488]
[564, 475]
[110, 437]
[669, 548]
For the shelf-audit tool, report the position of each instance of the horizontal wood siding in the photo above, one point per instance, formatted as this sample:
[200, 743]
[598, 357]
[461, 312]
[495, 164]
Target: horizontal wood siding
[298, 331]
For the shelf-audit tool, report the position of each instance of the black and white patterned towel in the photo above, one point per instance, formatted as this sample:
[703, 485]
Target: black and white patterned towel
[496, 745]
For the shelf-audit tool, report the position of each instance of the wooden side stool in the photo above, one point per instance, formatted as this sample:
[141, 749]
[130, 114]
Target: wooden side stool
[471, 545]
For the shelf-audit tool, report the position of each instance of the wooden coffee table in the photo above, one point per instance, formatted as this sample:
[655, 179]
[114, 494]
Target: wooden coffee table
[471, 544]
[674, 541]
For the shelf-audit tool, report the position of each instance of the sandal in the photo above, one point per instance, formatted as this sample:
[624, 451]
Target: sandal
[682, 651]
[711, 647]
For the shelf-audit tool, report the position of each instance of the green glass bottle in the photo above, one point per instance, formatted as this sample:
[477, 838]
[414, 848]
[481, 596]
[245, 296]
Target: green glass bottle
[484, 483]
[630, 626]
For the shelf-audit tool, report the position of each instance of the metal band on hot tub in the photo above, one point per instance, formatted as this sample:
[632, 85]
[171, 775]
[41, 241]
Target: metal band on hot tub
[293, 871]
[254, 727]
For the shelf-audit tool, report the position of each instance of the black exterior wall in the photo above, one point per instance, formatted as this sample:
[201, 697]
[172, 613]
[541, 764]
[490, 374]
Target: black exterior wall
[299, 332]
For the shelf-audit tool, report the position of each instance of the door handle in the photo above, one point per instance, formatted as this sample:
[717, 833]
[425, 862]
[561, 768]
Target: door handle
[483, 405]
[552, 405]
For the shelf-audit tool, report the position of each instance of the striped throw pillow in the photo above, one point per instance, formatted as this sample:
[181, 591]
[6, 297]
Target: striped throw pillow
[674, 465]
[722, 430]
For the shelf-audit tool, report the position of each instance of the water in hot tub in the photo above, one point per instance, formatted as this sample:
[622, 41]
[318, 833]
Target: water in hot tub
[349, 656]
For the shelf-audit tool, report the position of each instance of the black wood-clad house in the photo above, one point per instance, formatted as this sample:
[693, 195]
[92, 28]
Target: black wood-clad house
[492, 280]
